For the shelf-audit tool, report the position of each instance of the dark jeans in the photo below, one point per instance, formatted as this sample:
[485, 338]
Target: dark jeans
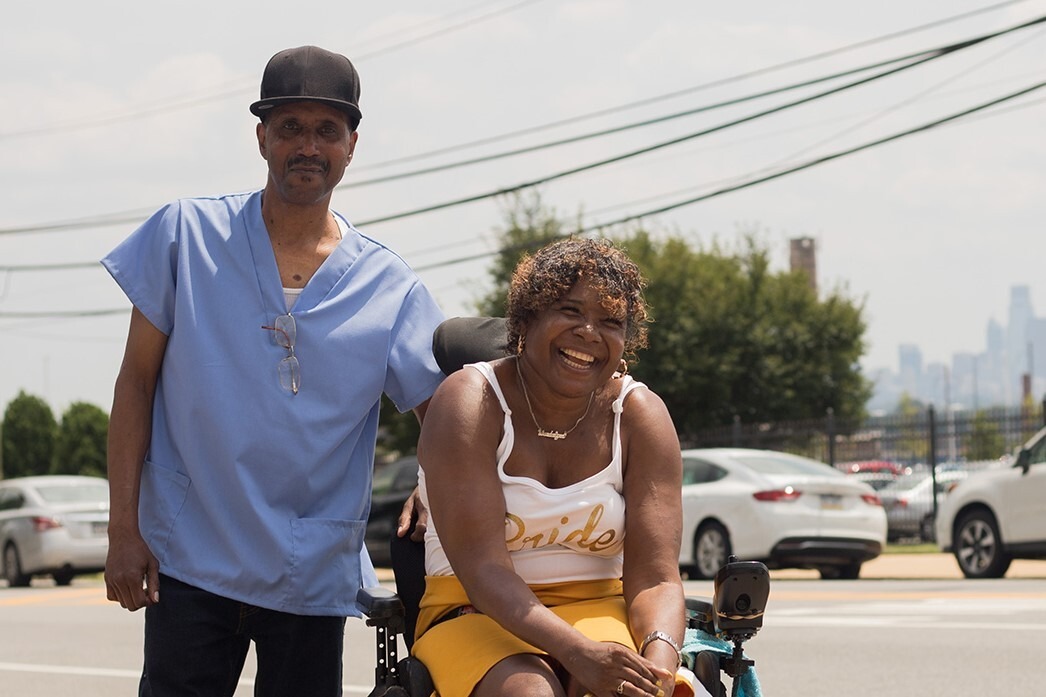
[196, 643]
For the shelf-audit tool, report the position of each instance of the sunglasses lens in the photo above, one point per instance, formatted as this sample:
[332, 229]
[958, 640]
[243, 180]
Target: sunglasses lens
[285, 331]
[290, 374]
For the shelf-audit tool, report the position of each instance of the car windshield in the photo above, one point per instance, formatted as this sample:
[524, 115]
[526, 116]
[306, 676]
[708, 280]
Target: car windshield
[906, 483]
[776, 463]
[74, 492]
[877, 480]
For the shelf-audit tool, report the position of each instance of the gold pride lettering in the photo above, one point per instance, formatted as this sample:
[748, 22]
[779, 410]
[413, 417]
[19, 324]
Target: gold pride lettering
[516, 532]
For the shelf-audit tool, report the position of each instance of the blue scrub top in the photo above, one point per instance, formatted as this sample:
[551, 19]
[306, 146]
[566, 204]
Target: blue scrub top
[248, 490]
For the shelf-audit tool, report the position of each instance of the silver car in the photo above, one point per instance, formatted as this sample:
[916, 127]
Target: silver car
[53, 525]
[909, 503]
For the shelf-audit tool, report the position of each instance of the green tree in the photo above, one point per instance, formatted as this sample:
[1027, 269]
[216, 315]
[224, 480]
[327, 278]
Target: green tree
[909, 406]
[28, 436]
[913, 443]
[81, 444]
[731, 337]
[529, 226]
[985, 441]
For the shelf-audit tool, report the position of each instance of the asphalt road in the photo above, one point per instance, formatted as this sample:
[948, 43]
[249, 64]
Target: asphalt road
[909, 626]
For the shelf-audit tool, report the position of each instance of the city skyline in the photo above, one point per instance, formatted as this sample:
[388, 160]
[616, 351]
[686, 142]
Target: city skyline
[1008, 370]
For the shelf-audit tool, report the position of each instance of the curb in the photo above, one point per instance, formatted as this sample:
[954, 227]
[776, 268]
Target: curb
[929, 566]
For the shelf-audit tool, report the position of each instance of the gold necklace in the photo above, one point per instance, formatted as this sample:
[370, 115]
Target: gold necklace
[542, 433]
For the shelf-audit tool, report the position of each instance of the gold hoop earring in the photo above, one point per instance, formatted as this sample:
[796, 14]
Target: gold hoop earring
[519, 345]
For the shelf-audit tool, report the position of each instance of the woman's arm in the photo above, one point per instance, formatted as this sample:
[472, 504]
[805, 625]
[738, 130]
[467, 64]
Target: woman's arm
[457, 450]
[653, 526]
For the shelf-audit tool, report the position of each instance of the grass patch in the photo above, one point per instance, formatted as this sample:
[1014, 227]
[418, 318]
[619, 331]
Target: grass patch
[920, 548]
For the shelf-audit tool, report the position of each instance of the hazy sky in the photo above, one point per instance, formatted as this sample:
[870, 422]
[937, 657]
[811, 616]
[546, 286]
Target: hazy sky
[111, 109]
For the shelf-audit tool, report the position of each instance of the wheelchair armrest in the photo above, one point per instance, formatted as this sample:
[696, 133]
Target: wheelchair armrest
[699, 614]
[380, 603]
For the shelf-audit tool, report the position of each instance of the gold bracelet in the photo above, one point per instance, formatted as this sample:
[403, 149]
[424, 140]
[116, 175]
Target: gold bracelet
[658, 635]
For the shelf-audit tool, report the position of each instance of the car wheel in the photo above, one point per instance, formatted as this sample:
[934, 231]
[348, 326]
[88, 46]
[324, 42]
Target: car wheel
[843, 572]
[978, 546]
[13, 568]
[711, 549]
[63, 577]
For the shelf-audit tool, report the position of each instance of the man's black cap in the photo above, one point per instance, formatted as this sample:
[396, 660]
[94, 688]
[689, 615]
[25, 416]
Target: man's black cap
[310, 74]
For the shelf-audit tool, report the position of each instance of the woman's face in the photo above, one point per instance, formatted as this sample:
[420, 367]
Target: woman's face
[576, 344]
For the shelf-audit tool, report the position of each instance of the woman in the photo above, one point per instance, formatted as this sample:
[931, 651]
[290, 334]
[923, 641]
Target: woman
[553, 485]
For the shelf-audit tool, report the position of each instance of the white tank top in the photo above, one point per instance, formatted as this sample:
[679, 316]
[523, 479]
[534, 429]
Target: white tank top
[573, 533]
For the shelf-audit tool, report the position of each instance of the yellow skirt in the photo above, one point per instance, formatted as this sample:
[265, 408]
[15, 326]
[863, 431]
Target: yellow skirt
[459, 652]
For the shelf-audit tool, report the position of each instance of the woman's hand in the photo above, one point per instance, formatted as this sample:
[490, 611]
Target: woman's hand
[608, 669]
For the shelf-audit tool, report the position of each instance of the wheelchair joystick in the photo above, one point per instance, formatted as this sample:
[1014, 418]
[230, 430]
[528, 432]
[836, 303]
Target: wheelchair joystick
[738, 603]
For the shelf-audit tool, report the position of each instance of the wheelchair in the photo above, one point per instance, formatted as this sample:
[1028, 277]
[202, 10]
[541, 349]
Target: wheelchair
[717, 627]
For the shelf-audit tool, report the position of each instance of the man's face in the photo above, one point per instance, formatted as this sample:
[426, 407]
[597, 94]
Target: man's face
[308, 146]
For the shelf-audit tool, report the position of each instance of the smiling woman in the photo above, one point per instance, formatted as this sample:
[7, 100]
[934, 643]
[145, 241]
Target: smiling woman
[534, 564]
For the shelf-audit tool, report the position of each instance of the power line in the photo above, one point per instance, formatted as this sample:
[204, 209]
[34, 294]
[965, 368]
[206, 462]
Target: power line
[440, 32]
[927, 55]
[770, 177]
[132, 217]
[636, 124]
[63, 313]
[93, 264]
[124, 218]
[240, 86]
[656, 120]
[833, 156]
[905, 102]
[689, 90]
[747, 183]
[664, 144]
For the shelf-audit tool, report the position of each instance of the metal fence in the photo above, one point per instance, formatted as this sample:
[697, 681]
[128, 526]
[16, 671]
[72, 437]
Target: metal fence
[927, 438]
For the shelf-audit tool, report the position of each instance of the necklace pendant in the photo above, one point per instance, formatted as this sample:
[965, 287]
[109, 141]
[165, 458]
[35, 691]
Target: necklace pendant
[554, 435]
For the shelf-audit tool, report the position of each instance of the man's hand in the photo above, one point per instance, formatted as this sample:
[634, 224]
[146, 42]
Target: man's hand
[413, 508]
[132, 573]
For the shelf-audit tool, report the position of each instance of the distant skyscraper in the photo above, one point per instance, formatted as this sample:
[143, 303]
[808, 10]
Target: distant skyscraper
[803, 257]
[911, 369]
[964, 379]
[1017, 349]
[991, 378]
[1014, 360]
[1037, 354]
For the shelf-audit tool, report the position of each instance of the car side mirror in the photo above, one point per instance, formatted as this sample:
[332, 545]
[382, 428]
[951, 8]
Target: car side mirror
[1024, 460]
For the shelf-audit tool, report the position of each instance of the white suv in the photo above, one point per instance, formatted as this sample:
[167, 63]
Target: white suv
[996, 516]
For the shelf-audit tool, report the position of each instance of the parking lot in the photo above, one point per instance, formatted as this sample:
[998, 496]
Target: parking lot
[911, 625]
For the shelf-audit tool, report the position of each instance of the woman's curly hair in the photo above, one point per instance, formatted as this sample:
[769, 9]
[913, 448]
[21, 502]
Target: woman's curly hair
[543, 278]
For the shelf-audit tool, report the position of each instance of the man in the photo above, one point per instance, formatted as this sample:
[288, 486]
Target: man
[265, 329]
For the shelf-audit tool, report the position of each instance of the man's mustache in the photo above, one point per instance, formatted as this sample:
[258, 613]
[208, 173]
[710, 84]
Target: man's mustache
[311, 162]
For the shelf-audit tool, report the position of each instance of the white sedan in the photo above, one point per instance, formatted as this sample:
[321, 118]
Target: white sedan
[781, 509]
